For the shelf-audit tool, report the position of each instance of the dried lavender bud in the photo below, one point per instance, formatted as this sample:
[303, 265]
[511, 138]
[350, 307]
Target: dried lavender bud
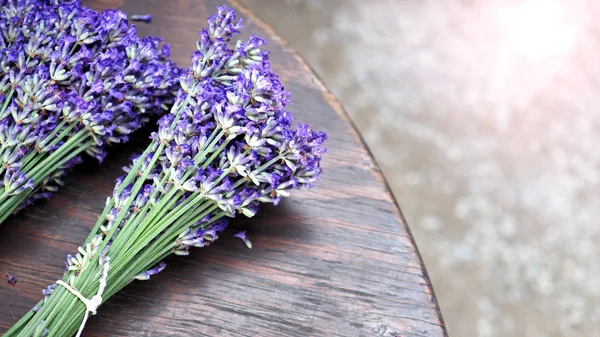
[145, 275]
[242, 236]
[11, 279]
[72, 81]
[147, 18]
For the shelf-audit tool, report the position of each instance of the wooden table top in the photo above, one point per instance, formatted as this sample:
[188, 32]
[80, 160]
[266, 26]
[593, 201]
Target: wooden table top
[337, 260]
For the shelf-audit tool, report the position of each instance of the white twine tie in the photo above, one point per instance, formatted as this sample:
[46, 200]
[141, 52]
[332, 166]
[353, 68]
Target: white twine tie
[90, 304]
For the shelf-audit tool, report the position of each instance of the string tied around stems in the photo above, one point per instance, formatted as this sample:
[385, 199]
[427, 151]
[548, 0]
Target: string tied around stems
[92, 304]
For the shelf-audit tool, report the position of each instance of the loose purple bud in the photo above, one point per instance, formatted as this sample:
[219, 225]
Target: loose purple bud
[11, 279]
[242, 236]
[147, 18]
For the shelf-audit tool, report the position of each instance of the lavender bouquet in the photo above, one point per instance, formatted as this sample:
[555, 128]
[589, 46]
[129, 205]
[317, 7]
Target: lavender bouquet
[227, 145]
[72, 81]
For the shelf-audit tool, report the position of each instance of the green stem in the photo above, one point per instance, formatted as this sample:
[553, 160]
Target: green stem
[126, 181]
[8, 98]
[85, 277]
[148, 258]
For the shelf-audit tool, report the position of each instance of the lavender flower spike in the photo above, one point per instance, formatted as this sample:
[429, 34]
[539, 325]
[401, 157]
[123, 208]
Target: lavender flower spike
[72, 81]
[227, 145]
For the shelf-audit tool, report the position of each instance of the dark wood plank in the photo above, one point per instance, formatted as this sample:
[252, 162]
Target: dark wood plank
[338, 260]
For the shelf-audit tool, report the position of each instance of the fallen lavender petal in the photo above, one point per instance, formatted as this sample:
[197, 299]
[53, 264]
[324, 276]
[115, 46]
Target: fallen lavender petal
[147, 18]
[242, 236]
[11, 279]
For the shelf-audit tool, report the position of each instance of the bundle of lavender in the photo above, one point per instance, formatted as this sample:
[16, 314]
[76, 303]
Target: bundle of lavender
[72, 81]
[227, 145]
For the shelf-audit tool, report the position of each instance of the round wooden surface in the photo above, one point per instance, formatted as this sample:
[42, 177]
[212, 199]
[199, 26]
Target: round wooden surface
[337, 260]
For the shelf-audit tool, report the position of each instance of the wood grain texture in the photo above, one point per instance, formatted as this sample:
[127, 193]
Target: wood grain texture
[337, 260]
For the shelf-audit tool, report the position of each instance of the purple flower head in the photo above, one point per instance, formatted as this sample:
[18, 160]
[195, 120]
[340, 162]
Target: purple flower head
[42, 195]
[113, 25]
[165, 51]
[220, 225]
[142, 198]
[210, 235]
[68, 72]
[236, 129]
[16, 182]
[224, 24]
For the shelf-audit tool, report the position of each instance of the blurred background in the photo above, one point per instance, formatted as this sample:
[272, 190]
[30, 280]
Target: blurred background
[485, 119]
